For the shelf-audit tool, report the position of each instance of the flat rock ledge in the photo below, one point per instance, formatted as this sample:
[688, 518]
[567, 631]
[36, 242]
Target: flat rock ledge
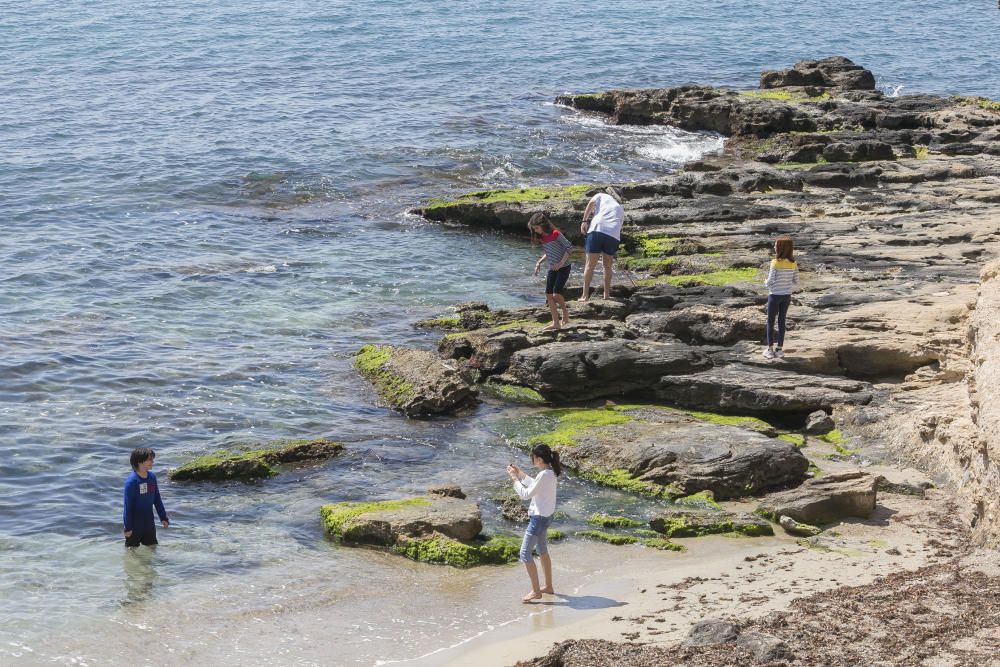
[432, 529]
[825, 499]
[669, 453]
[255, 462]
[415, 382]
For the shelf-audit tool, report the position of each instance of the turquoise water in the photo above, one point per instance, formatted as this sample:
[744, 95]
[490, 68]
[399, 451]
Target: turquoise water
[203, 209]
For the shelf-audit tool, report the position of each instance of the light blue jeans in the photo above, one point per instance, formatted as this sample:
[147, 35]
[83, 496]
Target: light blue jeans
[535, 538]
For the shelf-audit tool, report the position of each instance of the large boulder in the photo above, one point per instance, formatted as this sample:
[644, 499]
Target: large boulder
[668, 453]
[433, 528]
[415, 382]
[580, 371]
[744, 388]
[833, 72]
[825, 499]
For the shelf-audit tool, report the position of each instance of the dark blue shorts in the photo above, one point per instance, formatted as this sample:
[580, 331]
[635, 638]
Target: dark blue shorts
[555, 281]
[600, 242]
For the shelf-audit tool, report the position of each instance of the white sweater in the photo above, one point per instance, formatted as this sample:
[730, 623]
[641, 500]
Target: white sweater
[541, 490]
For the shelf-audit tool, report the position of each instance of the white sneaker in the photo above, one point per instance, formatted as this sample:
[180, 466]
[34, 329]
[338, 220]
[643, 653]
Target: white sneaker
[769, 353]
[779, 353]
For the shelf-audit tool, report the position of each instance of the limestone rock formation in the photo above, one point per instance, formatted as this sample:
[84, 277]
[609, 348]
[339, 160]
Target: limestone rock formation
[825, 499]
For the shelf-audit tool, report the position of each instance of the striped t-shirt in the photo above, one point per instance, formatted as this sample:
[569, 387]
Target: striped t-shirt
[556, 246]
[783, 277]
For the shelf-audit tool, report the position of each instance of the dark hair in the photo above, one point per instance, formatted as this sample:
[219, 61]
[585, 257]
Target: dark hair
[540, 220]
[545, 453]
[140, 454]
[783, 248]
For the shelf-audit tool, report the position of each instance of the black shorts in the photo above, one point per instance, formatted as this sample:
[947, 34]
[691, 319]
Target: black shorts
[147, 537]
[555, 281]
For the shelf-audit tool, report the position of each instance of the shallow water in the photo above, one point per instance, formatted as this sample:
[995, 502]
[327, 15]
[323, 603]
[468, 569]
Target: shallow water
[204, 216]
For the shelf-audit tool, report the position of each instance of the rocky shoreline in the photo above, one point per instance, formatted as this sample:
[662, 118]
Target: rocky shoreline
[893, 203]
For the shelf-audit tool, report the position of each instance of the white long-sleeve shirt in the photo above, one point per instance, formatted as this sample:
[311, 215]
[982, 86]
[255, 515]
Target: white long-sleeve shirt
[541, 490]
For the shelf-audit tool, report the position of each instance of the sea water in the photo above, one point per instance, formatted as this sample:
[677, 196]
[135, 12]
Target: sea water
[204, 211]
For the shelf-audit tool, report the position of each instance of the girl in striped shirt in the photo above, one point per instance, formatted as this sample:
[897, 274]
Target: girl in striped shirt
[557, 249]
[782, 279]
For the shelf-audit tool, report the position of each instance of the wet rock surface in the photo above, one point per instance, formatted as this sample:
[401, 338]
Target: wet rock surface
[433, 528]
[416, 382]
[256, 462]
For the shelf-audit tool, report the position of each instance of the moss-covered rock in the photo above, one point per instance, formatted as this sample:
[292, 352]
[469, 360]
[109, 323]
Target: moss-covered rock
[640, 537]
[610, 538]
[698, 524]
[512, 393]
[495, 550]
[669, 453]
[608, 521]
[253, 462]
[431, 529]
[416, 382]
[705, 499]
[793, 527]
[572, 422]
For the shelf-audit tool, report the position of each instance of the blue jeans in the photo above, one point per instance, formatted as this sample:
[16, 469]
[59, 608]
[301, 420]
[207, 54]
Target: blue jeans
[777, 306]
[536, 538]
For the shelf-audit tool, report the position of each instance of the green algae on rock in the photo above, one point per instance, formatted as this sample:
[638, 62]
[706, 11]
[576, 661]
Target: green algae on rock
[338, 517]
[608, 521]
[701, 499]
[698, 524]
[572, 421]
[416, 382]
[372, 361]
[512, 393]
[721, 277]
[255, 463]
[619, 539]
[536, 194]
[431, 529]
[610, 538]
[496, 550]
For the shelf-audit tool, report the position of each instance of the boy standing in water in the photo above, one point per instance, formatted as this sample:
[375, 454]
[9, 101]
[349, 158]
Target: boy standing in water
[142, 494]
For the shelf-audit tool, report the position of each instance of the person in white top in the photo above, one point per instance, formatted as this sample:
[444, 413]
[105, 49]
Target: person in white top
[541, 490]
[602, 236]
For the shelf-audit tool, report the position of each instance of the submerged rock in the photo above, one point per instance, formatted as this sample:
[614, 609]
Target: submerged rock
[825, 499]
[415, 382]
[432, 529]
[255, 463]
[447, 490]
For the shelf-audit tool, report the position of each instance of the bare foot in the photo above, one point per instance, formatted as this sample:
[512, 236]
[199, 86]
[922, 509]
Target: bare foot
[548, 589]
[531, 596]
[565, 321]
[583, 299]
[551, 327]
